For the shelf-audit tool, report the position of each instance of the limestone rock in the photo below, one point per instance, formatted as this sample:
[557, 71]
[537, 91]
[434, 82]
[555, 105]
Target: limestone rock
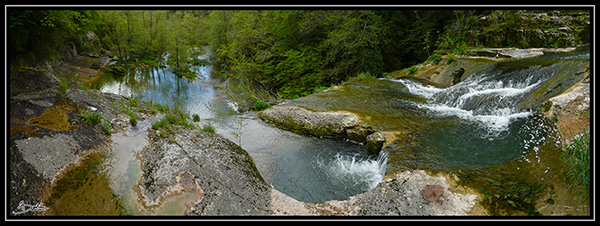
[375, 142]
[208, 164]
[305, 121]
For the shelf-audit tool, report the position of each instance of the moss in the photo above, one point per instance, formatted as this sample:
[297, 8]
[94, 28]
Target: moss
[54, 118]
[85, 190]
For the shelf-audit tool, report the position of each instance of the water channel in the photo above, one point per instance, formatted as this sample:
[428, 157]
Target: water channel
[306, 168]
[477, 118]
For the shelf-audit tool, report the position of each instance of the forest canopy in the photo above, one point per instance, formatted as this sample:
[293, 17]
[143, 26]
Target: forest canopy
[292, 52]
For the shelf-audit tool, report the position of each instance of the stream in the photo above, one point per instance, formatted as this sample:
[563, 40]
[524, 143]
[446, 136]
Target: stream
[477, 124]
[306, 168]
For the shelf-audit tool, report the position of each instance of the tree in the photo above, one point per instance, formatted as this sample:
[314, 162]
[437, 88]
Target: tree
[178, 45]
[39, 35]
[296, 51]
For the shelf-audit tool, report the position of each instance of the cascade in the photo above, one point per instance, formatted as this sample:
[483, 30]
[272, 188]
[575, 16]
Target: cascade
[480, 122]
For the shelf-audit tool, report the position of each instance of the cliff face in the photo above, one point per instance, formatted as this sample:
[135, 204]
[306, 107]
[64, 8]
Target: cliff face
[530, 28]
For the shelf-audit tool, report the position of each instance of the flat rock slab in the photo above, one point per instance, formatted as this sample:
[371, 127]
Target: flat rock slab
[332, 123]
[224, 172]
[49, 154]
[414, 194]
[514, 52]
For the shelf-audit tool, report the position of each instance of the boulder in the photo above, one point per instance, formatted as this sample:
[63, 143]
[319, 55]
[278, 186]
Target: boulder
[116, 69]
[457, 75]
[571, 110]
[375, 142]
[310, 122]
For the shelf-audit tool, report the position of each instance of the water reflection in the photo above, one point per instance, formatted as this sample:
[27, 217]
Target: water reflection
[160, 85]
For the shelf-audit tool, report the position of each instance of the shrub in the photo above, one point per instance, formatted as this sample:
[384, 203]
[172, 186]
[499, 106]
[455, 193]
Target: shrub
[160, 123]
[64, 85]
[320, 88]
[106, 126]
[208, 128]
[174, 117]
[130, 112]
[364, 75]
[450, 60]
[413, 69]
[90, 117]
[133, 119]
[196, 117]
[261, 105]
[134, 102]
[436, 58]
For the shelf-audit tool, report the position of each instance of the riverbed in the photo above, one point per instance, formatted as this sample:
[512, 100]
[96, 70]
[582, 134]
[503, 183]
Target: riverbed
[309, 169]
[473, 130]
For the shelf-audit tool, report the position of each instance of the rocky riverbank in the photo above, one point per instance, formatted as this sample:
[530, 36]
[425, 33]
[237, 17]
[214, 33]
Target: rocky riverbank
[52, 130]
[377, 114]
[50, 134]
[48, 130]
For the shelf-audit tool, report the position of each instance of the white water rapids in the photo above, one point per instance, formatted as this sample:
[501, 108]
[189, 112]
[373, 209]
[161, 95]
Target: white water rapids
[478, 99]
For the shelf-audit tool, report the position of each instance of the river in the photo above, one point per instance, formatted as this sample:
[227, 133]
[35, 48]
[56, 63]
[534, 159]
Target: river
[478, 129]
[309, 169]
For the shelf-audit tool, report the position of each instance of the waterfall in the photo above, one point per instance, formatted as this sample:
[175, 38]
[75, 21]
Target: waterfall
[488, 97]
[358, 171]
[481, 121]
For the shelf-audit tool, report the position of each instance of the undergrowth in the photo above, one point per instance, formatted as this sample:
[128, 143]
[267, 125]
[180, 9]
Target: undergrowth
[577, 155]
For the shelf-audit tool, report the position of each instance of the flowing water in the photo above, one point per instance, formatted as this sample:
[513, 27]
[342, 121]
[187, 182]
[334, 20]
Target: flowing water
[306, 168]
[479, 123]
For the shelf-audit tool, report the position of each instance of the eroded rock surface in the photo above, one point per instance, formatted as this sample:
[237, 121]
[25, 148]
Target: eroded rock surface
[305, 121]
[225, 173]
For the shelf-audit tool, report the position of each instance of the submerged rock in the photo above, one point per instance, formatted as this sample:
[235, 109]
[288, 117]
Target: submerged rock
[375, 142]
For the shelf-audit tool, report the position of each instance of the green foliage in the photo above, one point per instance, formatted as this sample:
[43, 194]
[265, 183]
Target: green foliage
[94, 117]
[64, 85]
[413, 69]
[577, 153]
[133, 102]
[91, 118]
[106, 127]
[455, 34]
[208, 128]
[363, 76]
[288, 52]
[261, 105]
[320, 88]
[133, 119]
[295, 51]
[436, 58]
[196, 117]
[39, 35]
[132, 115]
[174, 116]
